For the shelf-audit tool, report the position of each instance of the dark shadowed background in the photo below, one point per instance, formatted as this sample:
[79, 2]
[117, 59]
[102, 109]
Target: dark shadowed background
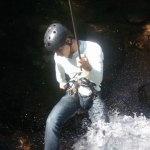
[28, 87]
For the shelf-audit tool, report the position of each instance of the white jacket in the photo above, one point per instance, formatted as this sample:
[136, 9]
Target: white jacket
[66, 65]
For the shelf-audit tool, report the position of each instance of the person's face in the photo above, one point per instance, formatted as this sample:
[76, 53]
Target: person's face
[63, 51]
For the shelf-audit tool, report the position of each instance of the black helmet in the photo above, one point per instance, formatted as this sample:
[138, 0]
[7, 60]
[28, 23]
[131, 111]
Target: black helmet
[55, 36]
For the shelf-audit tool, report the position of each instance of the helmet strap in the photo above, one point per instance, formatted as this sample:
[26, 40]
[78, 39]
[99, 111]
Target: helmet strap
[70, 44]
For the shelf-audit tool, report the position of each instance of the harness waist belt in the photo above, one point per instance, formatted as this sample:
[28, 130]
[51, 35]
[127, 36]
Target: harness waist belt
[73, 90]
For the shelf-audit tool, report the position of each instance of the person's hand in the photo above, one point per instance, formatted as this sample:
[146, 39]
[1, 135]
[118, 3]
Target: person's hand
[84, 63]
[63, 87]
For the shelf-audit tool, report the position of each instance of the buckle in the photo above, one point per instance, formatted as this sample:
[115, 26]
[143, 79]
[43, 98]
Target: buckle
[71, 91]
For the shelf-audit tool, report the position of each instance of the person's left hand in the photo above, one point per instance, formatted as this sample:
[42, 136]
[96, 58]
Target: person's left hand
[84, 63]
[63, 87]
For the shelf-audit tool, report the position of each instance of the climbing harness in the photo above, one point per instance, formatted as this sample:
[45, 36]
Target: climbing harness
[82, 90]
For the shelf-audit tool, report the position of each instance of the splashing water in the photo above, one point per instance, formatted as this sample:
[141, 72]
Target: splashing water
[122, 133]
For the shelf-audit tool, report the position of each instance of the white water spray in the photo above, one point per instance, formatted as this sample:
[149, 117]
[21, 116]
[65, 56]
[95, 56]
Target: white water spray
[122, 133]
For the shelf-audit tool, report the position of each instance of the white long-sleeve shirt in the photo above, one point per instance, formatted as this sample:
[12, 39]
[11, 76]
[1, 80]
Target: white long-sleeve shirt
[95, 57]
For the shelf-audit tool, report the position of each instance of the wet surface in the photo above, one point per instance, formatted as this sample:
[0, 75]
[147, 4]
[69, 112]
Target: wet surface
[28, 86]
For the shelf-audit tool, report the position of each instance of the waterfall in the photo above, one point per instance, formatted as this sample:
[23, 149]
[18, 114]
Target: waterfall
[121, 133]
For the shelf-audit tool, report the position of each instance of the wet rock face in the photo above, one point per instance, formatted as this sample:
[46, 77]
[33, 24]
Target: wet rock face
[137, 18]
[147, 91]
[126, 66]
[129, 93]
[146, 37]
[144, 94]
[142, 39]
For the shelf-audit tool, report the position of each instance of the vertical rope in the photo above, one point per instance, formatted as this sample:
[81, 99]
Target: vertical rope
[74, 26]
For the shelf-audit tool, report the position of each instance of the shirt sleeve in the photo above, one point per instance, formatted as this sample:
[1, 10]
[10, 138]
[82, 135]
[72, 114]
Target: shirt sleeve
[60, 72]
[95, 57]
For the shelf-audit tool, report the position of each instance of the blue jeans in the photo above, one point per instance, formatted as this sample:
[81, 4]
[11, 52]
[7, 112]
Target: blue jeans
[64, 110]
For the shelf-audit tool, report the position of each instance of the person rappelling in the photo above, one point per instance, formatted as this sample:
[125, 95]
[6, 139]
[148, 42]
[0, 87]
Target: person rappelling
[82, 61]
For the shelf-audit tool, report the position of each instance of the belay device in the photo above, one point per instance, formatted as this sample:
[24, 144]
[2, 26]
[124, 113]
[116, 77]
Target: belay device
[80, 87]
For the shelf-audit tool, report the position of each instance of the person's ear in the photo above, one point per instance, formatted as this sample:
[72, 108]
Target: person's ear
[67, 40]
